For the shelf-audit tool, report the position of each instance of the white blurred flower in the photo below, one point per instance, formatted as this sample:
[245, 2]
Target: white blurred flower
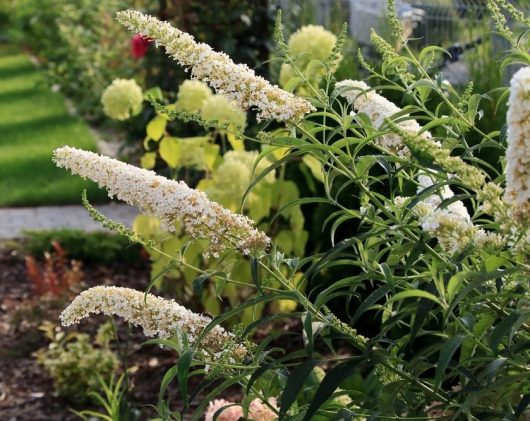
[518, 153]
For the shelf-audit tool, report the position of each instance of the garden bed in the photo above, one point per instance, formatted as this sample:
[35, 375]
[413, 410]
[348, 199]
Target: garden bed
[26, 389]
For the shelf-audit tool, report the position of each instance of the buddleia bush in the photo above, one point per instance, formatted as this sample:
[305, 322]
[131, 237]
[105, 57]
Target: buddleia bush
[218, 162]
[427, 314]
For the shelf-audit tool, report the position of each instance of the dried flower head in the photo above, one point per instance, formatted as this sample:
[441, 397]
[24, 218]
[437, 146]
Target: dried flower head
[236, 81]
[157, 317]
[168, 200]
[231, 413]
[257, 410]
[122, 99]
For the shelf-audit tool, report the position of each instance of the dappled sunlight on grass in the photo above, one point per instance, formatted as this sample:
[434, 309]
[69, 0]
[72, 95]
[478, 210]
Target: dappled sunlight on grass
[33, 122]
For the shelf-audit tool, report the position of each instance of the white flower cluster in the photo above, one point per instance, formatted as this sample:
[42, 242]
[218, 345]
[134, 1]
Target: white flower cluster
[157, 316]
[236, 81]
[451, 225]
[518, 153]
[377, 108]
[168, 200]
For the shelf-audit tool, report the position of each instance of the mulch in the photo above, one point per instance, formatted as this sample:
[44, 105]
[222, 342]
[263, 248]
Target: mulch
[26, 390]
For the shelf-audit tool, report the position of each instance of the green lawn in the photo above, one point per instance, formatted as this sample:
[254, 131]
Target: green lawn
[33, 122]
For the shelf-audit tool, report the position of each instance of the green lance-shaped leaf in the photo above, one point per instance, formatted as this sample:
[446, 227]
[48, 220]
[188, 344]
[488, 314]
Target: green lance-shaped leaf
[446, 353]
[330, 383]
[294, 383]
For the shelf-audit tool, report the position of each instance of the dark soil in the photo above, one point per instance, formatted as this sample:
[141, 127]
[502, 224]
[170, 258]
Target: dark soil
[26, 390]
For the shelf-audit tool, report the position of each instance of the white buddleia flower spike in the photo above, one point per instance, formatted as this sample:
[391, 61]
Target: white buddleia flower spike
[450, 225]
[158, 317]
[518, 153]
[236, 81]
[378, 108]
[168, 200]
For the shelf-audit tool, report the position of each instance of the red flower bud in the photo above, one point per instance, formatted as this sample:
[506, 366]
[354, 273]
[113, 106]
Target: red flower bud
[139, 46]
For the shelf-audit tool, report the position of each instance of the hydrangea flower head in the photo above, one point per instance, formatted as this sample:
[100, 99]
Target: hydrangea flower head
[232, 178]
[311, 42]
[192, 94]
[122, 99]
[224, 111]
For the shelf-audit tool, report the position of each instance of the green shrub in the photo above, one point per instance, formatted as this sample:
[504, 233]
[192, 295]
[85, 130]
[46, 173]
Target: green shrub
[75, 365]
[93, 247]
[419, 306]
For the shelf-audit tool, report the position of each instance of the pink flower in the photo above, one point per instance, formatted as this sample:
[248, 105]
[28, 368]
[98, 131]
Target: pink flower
[258, 411]
[139, 46]
[233, 413]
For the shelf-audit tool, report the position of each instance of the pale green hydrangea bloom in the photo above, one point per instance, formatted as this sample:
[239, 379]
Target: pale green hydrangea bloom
[192, 94]
[234, 175]
[122, 99]
[310, 42]
[312, 39]
[192, 152]
[224, 111]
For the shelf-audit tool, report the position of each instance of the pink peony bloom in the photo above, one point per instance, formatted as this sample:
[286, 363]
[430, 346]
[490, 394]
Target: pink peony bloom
[258, 411]
[232, 413]
[139, 46]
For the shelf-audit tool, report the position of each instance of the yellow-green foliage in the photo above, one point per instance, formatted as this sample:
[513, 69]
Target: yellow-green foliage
[74, 363]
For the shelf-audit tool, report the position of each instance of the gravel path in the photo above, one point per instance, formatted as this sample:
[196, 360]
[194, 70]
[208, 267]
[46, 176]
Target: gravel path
[13, 221]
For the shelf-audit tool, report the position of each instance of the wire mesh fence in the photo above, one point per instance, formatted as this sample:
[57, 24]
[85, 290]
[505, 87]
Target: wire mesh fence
[431, 22]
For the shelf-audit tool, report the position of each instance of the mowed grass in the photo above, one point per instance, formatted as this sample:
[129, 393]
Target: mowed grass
[33, 122]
